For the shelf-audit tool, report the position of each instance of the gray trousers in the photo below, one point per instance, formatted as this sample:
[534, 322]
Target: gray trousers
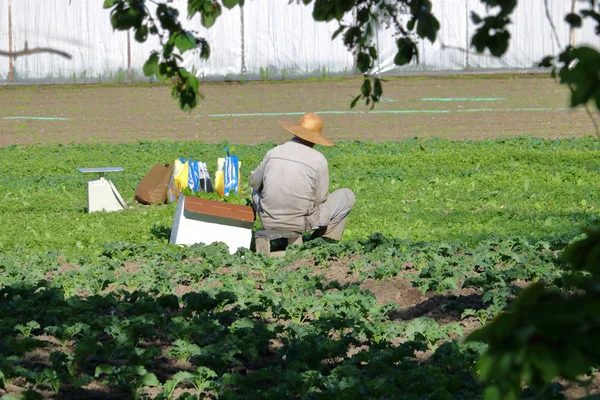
[339, 203]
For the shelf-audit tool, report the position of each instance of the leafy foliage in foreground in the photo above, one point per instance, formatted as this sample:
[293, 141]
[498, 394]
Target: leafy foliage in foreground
[549, 331]
[198, 320]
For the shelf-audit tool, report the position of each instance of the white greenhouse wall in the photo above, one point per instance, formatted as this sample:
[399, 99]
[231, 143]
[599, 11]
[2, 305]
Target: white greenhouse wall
[275, 38]
[3, 38]
[285, 37]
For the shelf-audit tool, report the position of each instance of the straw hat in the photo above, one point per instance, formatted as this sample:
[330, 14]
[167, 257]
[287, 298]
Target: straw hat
[309, 128]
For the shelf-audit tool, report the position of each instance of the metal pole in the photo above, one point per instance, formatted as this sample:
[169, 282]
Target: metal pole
[378, 64]
[10, 44]
[355, 58]
[129, 54]
[242, 44]
[467, 47]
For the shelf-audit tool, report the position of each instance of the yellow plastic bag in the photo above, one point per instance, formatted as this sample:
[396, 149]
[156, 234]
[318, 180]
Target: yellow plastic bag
[179, 180]
[220, 177]
[181, 175]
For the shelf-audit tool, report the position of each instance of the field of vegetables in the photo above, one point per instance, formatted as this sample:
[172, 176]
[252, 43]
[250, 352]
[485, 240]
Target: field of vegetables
[443, 235]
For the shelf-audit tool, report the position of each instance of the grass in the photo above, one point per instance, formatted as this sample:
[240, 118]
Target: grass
[431, 190]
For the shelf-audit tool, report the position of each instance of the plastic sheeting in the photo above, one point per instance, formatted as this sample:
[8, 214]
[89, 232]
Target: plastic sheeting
[3, 38]
[532, 38]
[268, 39]
[284, 37]
[81, 28]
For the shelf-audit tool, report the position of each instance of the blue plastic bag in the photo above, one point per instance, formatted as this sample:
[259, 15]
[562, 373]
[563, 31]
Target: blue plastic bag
[194, 176]
[231, 173]
[198, 179]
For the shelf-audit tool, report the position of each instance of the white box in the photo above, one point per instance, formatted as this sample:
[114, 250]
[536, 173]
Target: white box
[104, 196]
[208, 221]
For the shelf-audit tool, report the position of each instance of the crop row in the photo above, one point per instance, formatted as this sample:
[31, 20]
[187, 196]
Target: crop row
[170, 322]
[433, 190]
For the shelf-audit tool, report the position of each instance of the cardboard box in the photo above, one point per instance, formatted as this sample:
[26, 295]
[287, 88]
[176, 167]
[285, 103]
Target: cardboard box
[208, 221]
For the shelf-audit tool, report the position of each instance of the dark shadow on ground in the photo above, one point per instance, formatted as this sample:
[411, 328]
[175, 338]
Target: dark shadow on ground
[442, 308]
[161, 232]
[103, 346]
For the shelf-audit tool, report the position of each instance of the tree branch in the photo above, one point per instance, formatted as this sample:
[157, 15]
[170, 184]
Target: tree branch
[26, 52]
[588, 110]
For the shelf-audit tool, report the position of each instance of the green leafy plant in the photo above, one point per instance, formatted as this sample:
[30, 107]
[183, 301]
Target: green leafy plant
[430, 331]
[27, 328]
[171, 384]
[203, 379]
[184, 350]
[482, 315]
[129, 379]
[547, 332]
[48, 378]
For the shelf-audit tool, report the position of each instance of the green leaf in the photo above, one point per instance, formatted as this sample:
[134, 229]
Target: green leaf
[591, 13]
[31, 394]
[141, 34]
[103, 369]
[151, 65]
[109, 3]
[373, 52]
[542, 358]
[338, 31]
[366, 87]
[204, 49]
[480, 39]
[575, 365]
[208, 20]
[210, 15]
[230, 3]
[574, 20]
[492, 393]
[582, 94]
[363, 62]
[498, 43]
[183, 376]
[322, 10]
[406, 50]
[185, 41]
[149, 379]
[547, 62]
[428, 27]
[362, 15]
[475, 18]
[377, 89]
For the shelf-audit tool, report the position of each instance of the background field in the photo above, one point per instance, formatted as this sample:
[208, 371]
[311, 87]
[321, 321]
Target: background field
[521, 105]
[467, 190]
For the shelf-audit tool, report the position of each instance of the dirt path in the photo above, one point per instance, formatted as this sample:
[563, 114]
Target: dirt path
[483, 107]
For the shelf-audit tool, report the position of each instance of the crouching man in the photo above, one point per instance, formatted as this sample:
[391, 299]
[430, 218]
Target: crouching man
[291, 185]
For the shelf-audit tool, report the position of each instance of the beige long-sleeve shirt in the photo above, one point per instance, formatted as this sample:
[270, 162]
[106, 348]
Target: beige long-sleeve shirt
[293, 183]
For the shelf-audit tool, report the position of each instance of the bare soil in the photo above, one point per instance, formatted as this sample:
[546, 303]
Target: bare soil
[247, 113]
